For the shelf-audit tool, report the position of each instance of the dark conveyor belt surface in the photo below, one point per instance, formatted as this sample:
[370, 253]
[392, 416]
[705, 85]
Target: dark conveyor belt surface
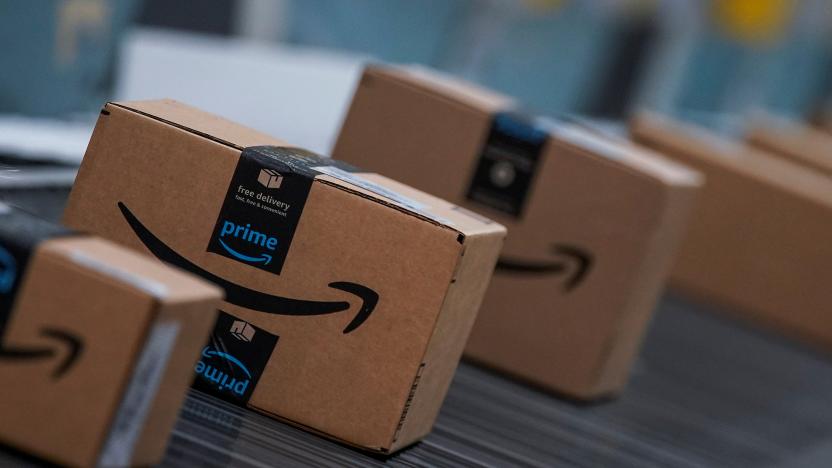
[705, 392]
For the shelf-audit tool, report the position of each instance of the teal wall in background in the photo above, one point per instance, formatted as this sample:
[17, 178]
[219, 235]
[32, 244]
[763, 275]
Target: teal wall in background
[391, 30]
[58, 55]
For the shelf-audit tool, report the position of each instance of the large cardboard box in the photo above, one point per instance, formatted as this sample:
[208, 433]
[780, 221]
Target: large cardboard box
[97, 344]
[593, 222]
[796, 141]
[349, 296]
[758, 237]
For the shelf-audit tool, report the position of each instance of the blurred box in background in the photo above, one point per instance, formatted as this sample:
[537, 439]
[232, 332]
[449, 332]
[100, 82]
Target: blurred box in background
[593, 223]
[797, 141]
[97, 348]
[59, 56]
[758, 240]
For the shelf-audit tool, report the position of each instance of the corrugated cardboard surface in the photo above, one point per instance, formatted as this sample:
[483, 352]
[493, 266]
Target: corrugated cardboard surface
[757, 237]
[111, 309]
[625, 206]
[354, 386]
[795, 141]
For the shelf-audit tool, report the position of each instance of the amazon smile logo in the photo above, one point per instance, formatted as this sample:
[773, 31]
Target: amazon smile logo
[256, 300]
[572, 262]
[210, 369]
[62, 340]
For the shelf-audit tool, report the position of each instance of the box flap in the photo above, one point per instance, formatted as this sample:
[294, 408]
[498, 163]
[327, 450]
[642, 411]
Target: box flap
[466, 222]
[199, 122]
[321, 168]
[139, 272]
[676, 137]
[800, 142]
[433, 81]
[624, 152]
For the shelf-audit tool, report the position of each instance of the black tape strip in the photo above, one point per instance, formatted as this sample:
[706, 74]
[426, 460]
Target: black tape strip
[263, 205]
[508, 162]
[234, 359]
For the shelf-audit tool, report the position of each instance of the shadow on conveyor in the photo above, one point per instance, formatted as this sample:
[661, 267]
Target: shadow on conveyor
[706, 391]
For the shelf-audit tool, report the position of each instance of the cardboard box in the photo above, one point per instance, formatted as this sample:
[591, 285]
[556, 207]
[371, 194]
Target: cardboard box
[592, 222]
[96, 345]
[758, 238]
[792, 140]
[353, 294]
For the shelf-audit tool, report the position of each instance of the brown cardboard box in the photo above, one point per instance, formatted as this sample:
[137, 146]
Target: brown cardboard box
[758, 237]
[793, 140]
[349, 297]
[97, 345]
[592, 222]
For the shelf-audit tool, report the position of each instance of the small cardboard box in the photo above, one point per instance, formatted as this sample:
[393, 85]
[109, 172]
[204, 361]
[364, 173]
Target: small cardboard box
[793, 140]
[593, 222]
[758, 237]
[96, 345]
[349, 296]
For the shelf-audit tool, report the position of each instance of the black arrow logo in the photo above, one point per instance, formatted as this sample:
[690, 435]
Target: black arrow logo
[256, 300]
[580, 260]
[72, 343]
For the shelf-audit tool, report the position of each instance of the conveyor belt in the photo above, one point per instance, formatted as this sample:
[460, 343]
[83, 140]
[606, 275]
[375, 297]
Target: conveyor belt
[705, 392]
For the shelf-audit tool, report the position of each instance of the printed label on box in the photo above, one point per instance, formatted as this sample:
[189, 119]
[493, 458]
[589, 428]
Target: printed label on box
[266, 197]
[507, 164]
[262, 207]
[234, 358]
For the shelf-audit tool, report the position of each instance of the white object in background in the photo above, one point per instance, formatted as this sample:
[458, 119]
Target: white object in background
[293, 93]
[44, 139]
[38, 177]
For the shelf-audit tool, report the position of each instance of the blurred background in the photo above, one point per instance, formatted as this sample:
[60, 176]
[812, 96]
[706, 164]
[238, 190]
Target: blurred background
[712, 62]
[706, 392]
